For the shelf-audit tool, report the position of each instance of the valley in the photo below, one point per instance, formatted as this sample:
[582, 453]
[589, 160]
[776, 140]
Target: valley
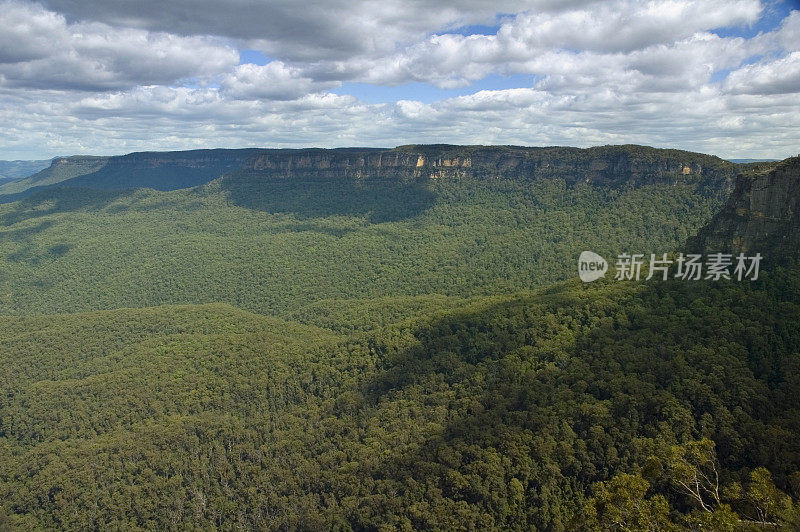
[307, 350]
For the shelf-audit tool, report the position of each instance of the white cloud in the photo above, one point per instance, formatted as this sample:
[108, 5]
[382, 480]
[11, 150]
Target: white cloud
[40, 49]
[273, 81]
[106, 77]
[27, 32]
[785, 37]
[781, 76]
[172, 118]
[308, 31]
[626, 25]
[670, 32]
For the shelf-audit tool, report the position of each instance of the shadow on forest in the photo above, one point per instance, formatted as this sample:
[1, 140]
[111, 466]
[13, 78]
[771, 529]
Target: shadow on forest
[19, 235]
[53, 200]
[468, 338]
[500, 374]
[377, 200]
[562, 367]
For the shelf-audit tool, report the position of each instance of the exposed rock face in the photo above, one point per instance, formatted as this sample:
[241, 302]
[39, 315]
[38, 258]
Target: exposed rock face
[762, 213]
[608, 165]
[78, 161]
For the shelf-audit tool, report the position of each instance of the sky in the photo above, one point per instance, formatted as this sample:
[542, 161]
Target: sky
[113, 77]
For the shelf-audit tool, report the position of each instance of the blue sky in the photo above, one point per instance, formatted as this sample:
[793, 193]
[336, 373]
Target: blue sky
[424, 92]
[714, 76]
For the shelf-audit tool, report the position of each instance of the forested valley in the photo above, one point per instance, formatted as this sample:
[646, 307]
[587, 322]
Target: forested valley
[412, 354]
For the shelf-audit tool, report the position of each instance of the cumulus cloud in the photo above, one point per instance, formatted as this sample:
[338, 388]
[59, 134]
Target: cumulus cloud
[273, 81]
[781, 76]
[119, 76]
[38, 48]
[308, 31]
[627, 25]
[159, 118]
[603, 30]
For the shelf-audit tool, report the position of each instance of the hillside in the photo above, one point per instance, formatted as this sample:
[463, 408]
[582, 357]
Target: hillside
[300, 345]
[274, 244]
[500, 414]
[20, 169]
[156, 170]
[60, 169]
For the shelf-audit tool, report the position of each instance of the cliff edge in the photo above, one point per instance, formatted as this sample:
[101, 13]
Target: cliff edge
[763, 212]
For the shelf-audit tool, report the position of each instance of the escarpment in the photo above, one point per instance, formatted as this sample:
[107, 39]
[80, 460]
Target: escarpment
[763, 212]
[613, 166]
[606, 165]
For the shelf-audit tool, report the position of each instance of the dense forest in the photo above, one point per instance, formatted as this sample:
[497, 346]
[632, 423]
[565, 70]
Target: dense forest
[278, 247]
[381, 355]
[573, 407]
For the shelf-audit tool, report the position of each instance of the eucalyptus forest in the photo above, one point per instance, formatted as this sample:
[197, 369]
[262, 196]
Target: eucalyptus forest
[208, 345]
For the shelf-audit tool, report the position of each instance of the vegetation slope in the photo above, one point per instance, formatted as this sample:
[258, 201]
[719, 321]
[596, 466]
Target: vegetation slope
[384, 355]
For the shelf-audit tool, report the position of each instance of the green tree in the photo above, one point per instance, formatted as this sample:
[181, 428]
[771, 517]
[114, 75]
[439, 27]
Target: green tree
[763, 503]
[694, 470]
[621, 504]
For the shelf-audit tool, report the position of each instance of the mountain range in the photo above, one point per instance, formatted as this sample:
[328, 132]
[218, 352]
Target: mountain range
[174, 170]
[11, 170]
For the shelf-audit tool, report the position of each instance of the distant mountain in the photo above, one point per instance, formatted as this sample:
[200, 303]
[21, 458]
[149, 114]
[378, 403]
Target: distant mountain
[20, 169]
[60, 169]
[156, 170]
[746, 161]
[606, 165]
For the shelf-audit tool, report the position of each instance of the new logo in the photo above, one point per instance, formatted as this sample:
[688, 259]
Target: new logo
[591, 266]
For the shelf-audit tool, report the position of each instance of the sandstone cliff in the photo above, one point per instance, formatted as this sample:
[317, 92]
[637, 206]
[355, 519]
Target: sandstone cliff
[615, 166]
[762, 213]
[607, 165]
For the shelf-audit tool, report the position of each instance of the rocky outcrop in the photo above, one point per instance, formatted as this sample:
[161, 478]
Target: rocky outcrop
[607, 165]
[614, 166]
[762, 213]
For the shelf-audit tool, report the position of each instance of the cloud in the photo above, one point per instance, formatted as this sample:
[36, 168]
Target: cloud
[605, 30]
[27, 32]
[273, 81]
[118, 76]
[781, 76]
[707, 120]
[625, 26]
[312, 30]
[351, 29]
[39, 49]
